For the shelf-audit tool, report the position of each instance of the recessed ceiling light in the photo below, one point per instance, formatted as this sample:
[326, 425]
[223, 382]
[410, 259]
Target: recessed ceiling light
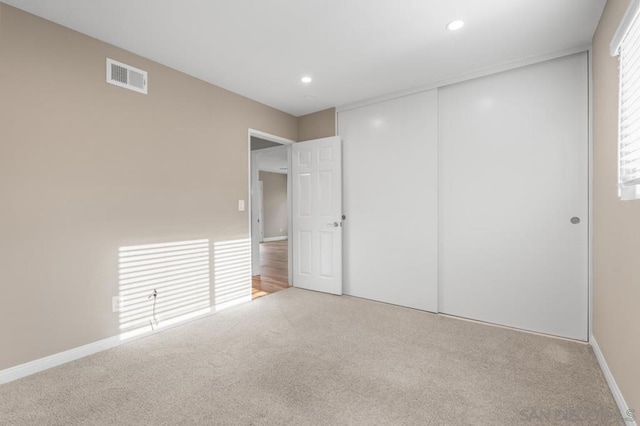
[455, 25]
[306, 79]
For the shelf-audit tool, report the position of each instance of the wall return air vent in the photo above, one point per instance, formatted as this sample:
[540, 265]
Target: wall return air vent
[126, 76]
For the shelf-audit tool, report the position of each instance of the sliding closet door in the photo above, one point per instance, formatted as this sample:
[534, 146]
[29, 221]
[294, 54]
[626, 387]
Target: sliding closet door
[390, 201]
[513, 198]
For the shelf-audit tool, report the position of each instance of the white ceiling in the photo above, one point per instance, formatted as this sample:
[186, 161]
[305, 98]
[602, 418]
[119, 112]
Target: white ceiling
[353, 49]
[272, 160]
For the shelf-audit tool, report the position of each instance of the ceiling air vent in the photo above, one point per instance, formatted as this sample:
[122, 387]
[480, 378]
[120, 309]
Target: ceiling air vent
[126, 76]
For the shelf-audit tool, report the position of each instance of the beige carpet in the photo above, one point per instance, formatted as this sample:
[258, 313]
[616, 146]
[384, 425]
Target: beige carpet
[304, 358]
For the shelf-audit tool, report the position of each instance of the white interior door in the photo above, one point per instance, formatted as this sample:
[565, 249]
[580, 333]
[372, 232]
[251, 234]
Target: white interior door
[513, 186]
[317, 214]
[391, 201]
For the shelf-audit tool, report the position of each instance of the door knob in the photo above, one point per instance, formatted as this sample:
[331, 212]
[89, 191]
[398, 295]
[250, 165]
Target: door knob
[575, 220]
[333, 224]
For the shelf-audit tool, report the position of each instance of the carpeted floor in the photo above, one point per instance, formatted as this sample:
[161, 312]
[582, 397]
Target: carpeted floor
[305, 358]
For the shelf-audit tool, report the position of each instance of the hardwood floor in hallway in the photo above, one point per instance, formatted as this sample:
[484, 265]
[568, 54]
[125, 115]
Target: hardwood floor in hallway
[274, 269]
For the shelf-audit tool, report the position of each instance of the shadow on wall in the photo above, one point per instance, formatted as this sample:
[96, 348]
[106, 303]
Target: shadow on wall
[164, 284]
[232, 272]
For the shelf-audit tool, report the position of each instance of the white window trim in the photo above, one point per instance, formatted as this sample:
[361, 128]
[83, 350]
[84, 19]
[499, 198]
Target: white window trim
[623, 28]
[631, 189]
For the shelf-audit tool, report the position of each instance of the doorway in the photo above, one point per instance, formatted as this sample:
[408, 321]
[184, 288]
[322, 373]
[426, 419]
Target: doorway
[269, 214]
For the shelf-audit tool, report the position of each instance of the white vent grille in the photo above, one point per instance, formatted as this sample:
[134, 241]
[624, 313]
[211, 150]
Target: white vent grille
[126, 76]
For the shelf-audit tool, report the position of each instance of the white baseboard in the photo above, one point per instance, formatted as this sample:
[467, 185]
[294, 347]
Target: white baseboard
[627, 414]
[268, 240]
[38, 365]
[26, 369]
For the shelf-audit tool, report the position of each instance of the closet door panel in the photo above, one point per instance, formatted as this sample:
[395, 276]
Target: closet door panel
[390, 195]
[514, 198]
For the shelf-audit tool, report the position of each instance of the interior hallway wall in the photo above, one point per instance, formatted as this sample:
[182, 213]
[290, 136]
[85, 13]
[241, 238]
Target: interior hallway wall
[616, 240]
[274, 204]
[87, 167]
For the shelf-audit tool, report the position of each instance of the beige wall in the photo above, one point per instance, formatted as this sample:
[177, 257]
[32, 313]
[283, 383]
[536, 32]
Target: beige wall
[274, 189]
[87, 167]
[320, 124]
[257, 143]
[616, 281]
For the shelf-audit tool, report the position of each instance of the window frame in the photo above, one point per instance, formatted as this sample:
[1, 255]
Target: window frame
[627, 189]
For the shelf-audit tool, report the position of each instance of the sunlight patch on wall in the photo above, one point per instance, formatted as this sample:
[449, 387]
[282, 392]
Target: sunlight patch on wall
[177, 273]
[232, 272]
